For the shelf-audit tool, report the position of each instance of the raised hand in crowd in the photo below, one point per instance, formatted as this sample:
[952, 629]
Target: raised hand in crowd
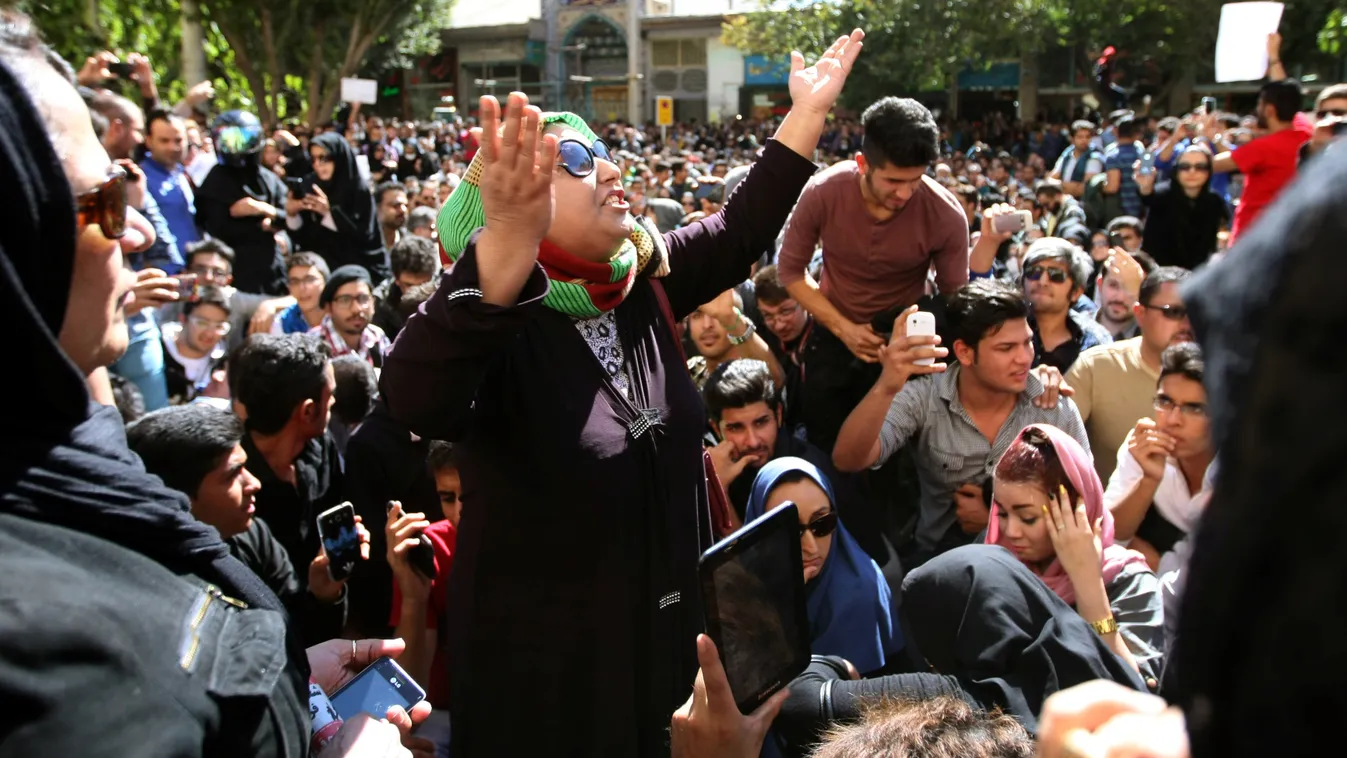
[1151, 448]
[709, 724]
[153, 288]
[135, 184]
[989, 240]
[1145, 182]
[317, 201]
[901, 354]
[1103, 719]
[402, 534]
[94, 73]
[201, 92]
[517, 170]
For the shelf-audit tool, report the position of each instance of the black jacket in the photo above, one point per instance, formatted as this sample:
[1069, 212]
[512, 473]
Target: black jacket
[259, 550]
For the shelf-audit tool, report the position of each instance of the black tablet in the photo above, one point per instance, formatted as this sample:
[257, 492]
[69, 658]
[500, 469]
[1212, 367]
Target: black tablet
[753, 590]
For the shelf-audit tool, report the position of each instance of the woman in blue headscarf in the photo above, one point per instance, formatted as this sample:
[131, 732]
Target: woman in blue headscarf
[851, 613]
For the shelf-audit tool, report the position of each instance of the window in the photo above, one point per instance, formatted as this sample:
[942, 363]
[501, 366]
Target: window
[692, 52]
[664, 53]
[673, 53]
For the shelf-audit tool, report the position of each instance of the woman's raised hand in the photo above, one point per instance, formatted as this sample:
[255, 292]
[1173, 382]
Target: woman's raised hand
[518, 164]
[816, 87]
[1077, 541]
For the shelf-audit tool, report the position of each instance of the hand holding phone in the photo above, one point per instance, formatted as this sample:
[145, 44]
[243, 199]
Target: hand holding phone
[922, 324]
[379, 687]
[404, 534]
[341, 540]
[1012, 223]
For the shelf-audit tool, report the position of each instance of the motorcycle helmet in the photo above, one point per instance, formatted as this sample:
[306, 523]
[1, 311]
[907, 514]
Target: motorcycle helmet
[238, 138]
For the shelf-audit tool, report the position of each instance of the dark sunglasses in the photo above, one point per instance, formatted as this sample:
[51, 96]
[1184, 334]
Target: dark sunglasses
[1055, 275]
[1323, 114]
[578, 158]
[324, 158]
[105, 205]
[1171, 312]
[1193, 166]
[822, 526]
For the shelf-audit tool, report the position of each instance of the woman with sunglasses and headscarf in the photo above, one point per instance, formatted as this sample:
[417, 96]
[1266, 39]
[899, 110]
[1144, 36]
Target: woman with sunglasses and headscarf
[1185, 215]
[336, 217]
[548, 356]
[852, 612]
[1048, 509]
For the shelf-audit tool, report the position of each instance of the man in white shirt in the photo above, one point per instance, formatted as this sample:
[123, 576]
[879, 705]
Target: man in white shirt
[194, 348]
[1160, 487]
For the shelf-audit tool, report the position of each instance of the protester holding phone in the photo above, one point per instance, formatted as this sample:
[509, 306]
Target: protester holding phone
[331, 211]
[1184, 214]
[544, 248]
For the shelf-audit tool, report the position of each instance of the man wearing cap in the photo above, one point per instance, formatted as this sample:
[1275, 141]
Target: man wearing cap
[348, 299]
[1118, 287]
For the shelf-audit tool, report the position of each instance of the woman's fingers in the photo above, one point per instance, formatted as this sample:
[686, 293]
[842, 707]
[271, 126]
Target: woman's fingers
[528, 138]
[509, 141]
[547, 161]
[489, 134]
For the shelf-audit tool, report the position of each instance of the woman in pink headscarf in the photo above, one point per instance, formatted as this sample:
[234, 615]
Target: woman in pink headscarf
[1048, 509]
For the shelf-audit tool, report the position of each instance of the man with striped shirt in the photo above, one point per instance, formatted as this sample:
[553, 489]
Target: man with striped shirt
[960, 418]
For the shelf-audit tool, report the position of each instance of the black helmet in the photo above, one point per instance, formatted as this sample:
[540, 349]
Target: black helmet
[238, 137]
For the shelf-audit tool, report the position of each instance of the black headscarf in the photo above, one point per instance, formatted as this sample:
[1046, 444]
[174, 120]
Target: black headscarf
[357, 238]
[1260, 655]
[978, 614]
[69, 464]
[1181, 230]
[347, 192]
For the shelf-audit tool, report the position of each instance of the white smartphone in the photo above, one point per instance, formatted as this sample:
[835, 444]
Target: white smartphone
[1012, 223]
[921, 323]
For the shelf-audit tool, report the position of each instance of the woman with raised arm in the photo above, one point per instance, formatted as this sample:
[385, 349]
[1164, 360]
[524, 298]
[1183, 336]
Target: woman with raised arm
[547, 355]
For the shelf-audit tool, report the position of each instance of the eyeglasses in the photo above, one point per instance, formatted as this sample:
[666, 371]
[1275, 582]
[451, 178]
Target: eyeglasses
[1325, 113]
[323, 158]
[1165, 404]
[201, 322]
[304, 281]
[105, 205]
[208, 272]
[345, 301]
[822, 526]
[578, 158]
[1193, 166]
[1171, 312]
[1055, 275]
[782, 316]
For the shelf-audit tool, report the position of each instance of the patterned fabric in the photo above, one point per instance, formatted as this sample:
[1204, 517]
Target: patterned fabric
[374, 343]
[600, 334]
[582, 289]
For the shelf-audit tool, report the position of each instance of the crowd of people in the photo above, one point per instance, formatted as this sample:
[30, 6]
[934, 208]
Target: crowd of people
[569, 358]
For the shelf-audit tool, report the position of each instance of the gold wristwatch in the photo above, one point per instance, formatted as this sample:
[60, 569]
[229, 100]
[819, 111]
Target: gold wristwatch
[1106, 626]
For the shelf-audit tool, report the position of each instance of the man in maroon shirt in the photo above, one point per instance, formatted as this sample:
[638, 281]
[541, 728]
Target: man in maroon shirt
[883, 225]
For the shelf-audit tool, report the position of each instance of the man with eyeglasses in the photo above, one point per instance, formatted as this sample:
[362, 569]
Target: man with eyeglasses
[196, 345]
[348, 299]
[211, 261]
[789, 327]
[1160, 486]
[1115, 384]
[1056, 273]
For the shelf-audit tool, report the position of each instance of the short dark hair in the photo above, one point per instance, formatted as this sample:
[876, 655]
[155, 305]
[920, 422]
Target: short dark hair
[767, 286]
[1145, 260]
[212, 246]
[979, 308]
[1126, 222]
[1126, 126]
[1048, 187]
[357, 388]
[126, 396]
[159, 114]
[422, 218]
[1184, 359]
[1155, 279]
[184, 443]
[738, 384]
[969, 194]
[272, 375]
[662, 166]
[208, 295]
[1334, 92]
[441, 456]
[679, 166]
[939, 727]
[414, 255]
[1082, 124]
[1284, 95]
[387, 187]
[308, 260]
[899, 132]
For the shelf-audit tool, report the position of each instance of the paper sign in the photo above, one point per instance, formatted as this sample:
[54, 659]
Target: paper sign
[362, 167]
[360, 91]
[1241, 42]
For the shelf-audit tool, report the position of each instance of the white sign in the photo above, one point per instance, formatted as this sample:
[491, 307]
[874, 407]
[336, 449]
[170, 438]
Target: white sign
[1241, 42]
[360, 91]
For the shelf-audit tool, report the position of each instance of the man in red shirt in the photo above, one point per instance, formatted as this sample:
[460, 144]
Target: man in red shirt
[1269, 162]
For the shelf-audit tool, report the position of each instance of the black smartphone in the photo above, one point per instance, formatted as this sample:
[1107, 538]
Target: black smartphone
[421, 557]
[376, 689]
[120, 69]
[753, 596]
[299, 185]
[1115, 240]
[341, 541]
[1208, 105]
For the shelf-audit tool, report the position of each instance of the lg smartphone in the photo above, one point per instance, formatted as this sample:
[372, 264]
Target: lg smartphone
[1208, 105]
[1013, 223]
[754, 599]
[921, 323]
[376, 689]
[341, 541]
[1147, 164]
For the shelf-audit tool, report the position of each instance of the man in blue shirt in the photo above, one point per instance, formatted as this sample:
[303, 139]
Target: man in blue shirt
[1118, 162]
[167, 178]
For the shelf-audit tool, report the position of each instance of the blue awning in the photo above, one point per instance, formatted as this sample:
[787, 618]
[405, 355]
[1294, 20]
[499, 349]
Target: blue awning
[997, 76]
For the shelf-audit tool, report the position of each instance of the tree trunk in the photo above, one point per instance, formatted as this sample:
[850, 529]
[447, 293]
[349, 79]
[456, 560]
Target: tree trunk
[1181, 90]
[274, 75]
[250, 72]
[1028, 92]
[357, 46]
[193, 45]
[313, 114]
